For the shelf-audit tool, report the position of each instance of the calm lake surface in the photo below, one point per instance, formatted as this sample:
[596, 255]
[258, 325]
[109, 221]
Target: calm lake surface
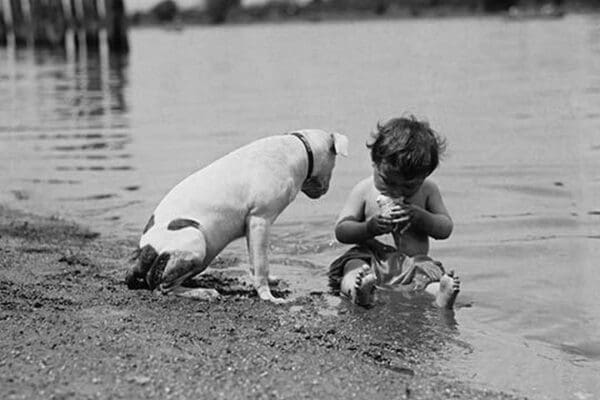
[100, 140]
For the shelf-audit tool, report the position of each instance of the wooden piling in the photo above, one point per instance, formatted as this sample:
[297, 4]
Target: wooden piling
[21, 25]
[91, 24]
[65, 24]
[48, 22]
[116, 26]
[3, 26]
[70, 36]
[38, 23]
[57, 23]
[77, 23]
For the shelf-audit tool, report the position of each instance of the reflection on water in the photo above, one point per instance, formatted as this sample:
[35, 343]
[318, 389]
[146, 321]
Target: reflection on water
[64, 123]
[398, 334]
[395, 307]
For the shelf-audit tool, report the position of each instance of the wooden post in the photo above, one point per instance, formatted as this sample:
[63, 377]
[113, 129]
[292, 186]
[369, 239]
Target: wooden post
[48, 23]
[77, 15]
[38, 17]
[3, 26]
[58, 23]
[70, 30]
[91, 24]
[21, 22]
[116, 26]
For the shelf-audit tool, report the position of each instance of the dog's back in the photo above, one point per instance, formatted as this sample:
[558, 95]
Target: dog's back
[220, 195]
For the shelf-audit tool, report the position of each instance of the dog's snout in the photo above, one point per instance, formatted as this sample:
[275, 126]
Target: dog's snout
[315, 192]
[315, 188]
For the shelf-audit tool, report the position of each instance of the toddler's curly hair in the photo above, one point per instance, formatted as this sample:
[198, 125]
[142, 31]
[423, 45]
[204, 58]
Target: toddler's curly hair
[406, 146]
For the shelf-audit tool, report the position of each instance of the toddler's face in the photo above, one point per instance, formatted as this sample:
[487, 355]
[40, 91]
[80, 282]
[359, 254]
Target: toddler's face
[395, 185]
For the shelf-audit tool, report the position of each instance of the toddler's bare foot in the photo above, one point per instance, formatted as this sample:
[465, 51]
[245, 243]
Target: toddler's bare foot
[449, 288]
[364, 287]
[359, 286]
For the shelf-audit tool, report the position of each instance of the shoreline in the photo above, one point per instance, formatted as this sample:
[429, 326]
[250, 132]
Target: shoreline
[72, 329]
[276, 13]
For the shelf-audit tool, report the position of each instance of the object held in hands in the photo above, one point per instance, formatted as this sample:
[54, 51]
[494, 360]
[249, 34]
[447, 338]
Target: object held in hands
[386, 204]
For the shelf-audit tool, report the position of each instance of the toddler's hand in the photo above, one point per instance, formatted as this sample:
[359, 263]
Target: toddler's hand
[401, 216]
[380, 224]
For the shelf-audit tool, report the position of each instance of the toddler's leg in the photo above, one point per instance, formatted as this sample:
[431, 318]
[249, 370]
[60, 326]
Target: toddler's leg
[445, 291]
[358, 283]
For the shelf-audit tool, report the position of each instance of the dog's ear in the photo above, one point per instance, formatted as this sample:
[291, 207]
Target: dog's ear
[340, 144]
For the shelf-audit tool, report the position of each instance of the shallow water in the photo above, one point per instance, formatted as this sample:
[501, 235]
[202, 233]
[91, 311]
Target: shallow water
[102, 139]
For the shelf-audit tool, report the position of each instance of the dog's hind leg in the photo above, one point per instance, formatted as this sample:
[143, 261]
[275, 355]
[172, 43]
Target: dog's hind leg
[187, 257]
[181, 266]
[196, 293]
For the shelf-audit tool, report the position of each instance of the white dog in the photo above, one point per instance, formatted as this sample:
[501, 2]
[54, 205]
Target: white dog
[240, 194]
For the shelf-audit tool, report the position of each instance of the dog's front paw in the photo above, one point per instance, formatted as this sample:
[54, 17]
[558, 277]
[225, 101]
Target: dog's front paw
[196, 293]
[265, 294]
[274, 280]
[278, 300]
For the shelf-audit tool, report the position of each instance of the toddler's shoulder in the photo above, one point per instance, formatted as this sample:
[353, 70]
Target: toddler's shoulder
[362, 190]
[429, 188]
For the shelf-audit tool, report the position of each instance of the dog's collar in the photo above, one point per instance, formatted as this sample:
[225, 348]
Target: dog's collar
[308, 152]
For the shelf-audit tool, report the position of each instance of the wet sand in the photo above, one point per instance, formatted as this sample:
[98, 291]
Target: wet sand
[72, 329]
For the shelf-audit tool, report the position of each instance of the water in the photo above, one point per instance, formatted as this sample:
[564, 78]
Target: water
[100, 140]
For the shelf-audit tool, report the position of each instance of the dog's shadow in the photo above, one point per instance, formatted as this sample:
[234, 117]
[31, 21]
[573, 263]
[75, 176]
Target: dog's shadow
[231, 285]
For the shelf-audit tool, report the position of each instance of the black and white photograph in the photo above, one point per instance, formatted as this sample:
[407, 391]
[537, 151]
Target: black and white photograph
[300, 199]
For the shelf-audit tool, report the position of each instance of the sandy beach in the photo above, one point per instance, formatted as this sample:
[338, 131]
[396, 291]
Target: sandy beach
[72, 329]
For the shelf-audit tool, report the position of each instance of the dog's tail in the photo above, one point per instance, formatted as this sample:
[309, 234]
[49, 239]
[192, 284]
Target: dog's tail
[148, 268]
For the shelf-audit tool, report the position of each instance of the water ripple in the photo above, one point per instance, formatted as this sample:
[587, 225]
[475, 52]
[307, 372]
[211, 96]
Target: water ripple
[532, 190]
[588, 349]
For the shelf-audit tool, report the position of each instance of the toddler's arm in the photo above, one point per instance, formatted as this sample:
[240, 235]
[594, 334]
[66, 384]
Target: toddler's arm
[352, 226]
[434, 219]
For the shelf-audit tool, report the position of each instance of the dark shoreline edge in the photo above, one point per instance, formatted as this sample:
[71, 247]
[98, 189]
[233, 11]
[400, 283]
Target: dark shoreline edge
[283, 12]
[71, 329]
